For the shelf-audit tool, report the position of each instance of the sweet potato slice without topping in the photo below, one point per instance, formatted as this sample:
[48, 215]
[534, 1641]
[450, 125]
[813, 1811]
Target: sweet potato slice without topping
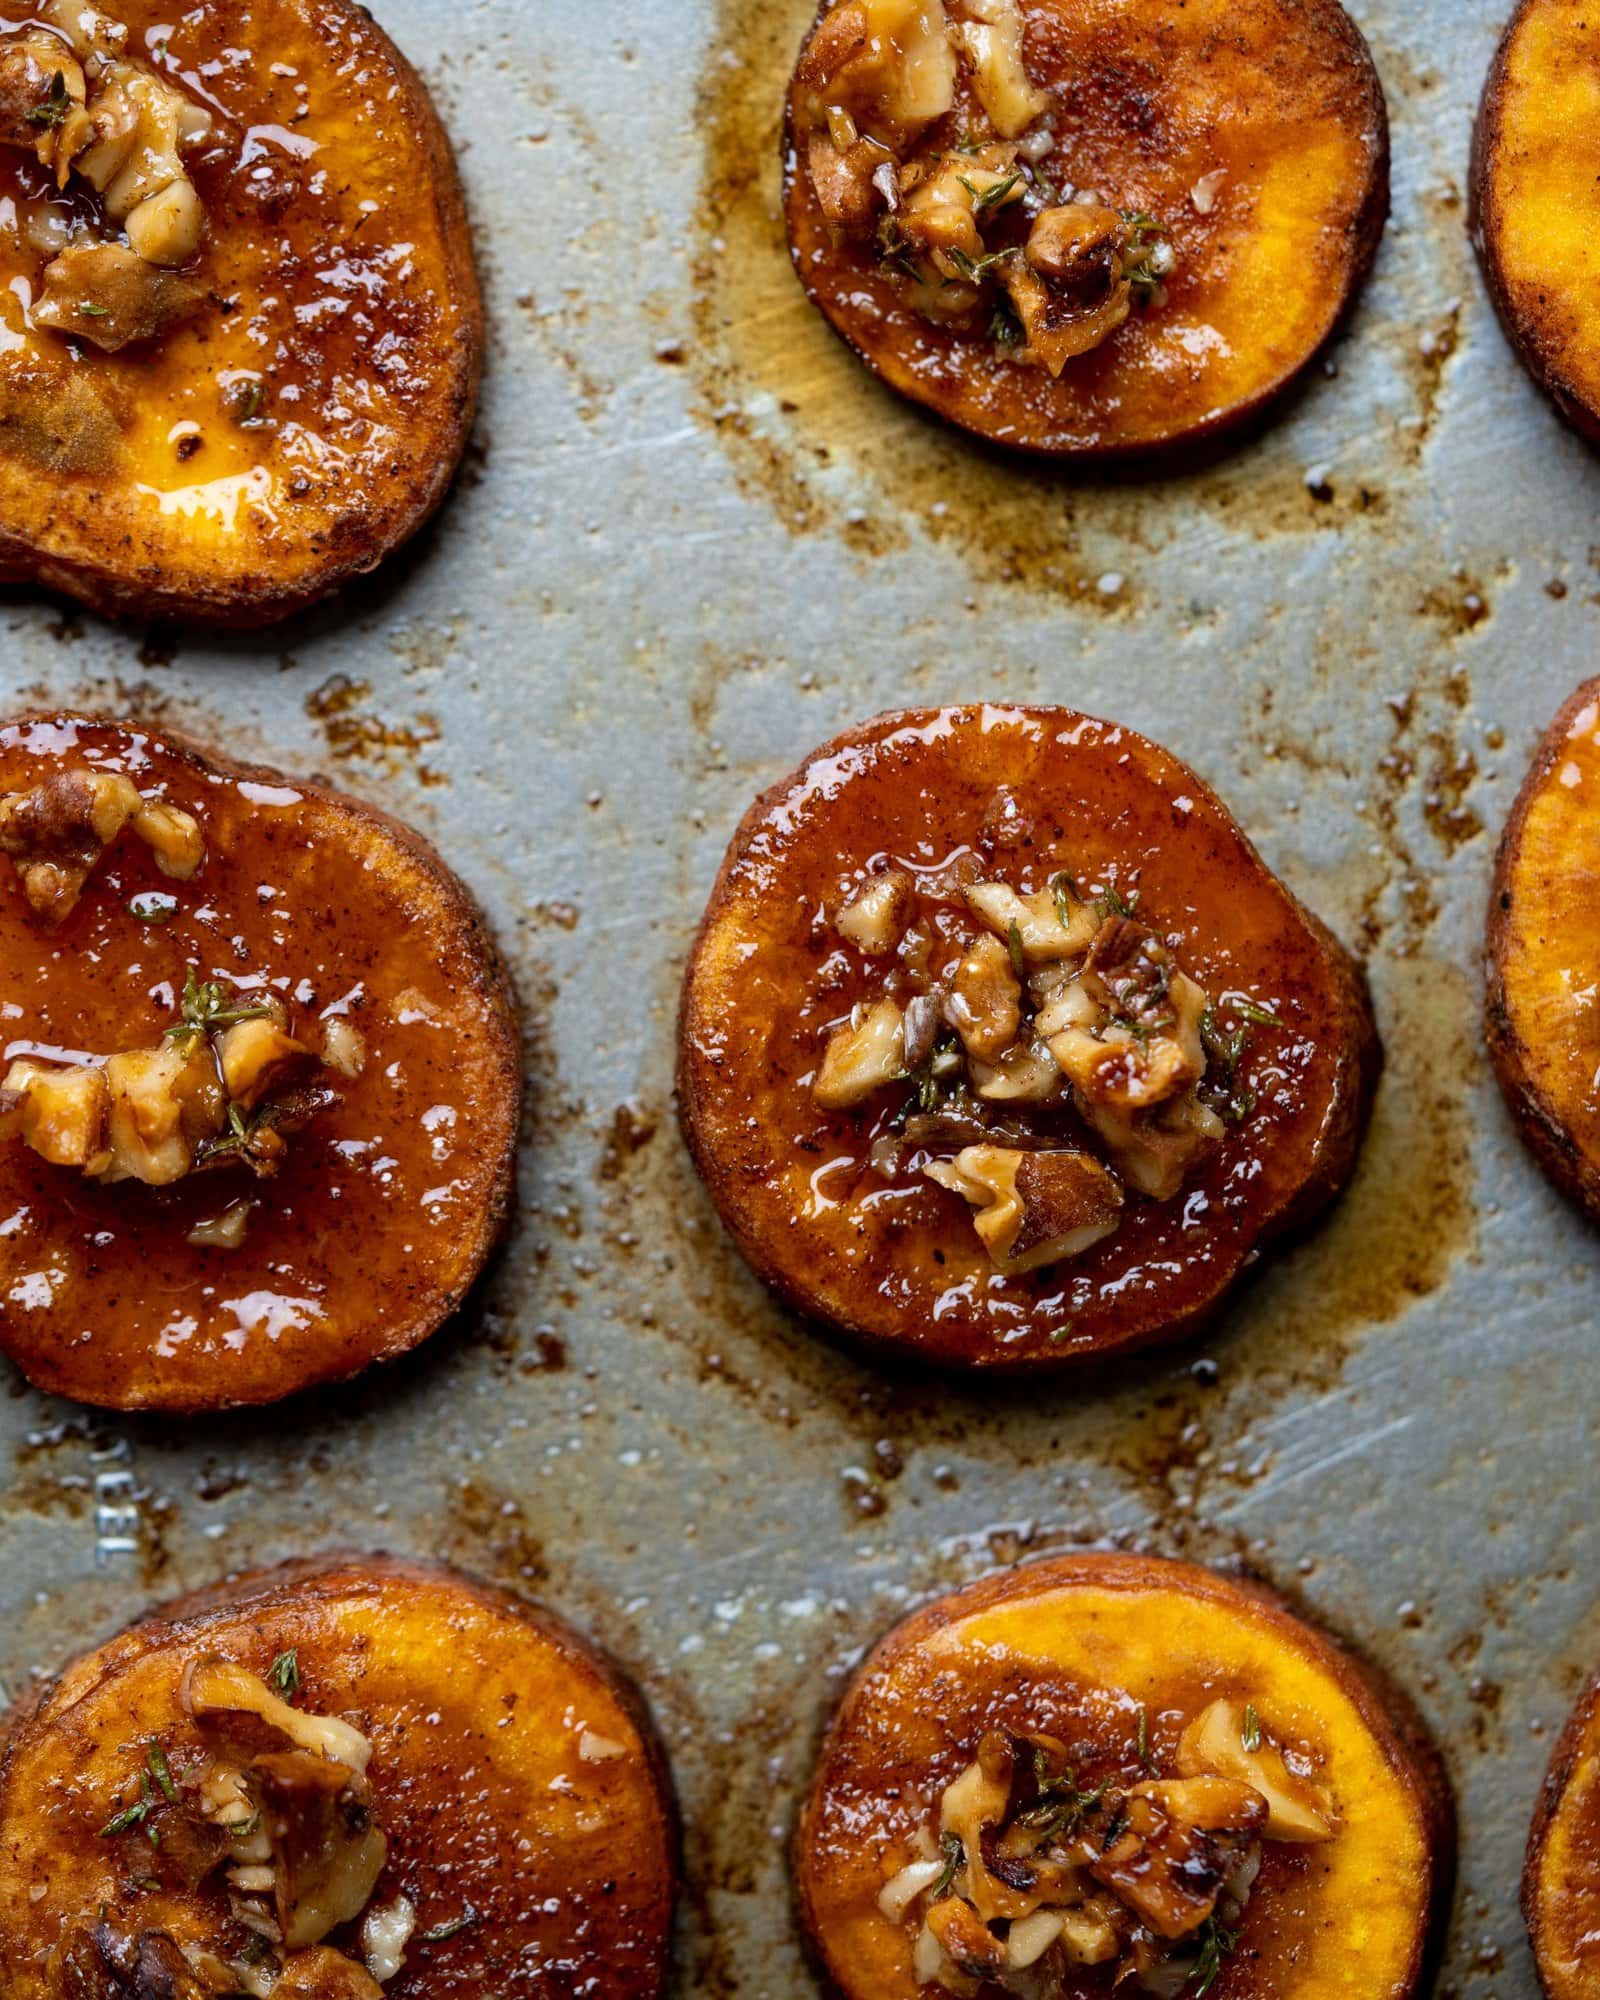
[1544, 953]
[1561, 1878]
[513, 1775]
[1044, 1709]
[339, 1217]
[271, 389]
[1535, 206]
[1233, 155]
[1233, 1085]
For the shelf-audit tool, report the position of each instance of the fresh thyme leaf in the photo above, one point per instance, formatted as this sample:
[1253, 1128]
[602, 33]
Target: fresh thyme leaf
[1112, 903]
[1019, 964]
[954, 1855]
[91, 311]
[134, 1815]
[1005, 329]
[1144, 1737]
[1046, 187]
[1217, 1942]
[1251, 1737]
[984, 199]
[53, 111]
[442, 1931]
[1115, 1826]
[1263, 1017]
[1065, 891]
[204, 1009]
[284, 1674]
[974, 268]
[245, 402]
[161, 1770]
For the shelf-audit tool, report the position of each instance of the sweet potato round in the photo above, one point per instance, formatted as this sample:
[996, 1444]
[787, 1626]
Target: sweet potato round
[1281, 97]
[476, 1705]
[1534, 202]
[388, 1203]
[1561, 1877]
[919, 1284]
[1045, 1649]
[338, 269]
[1544, 953]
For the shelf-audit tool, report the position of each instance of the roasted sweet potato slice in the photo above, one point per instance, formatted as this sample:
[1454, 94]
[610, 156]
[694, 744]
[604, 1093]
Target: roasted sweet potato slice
[1109, 1767]
[1561, 1879]
[307, 1183]
[238, 366]
[1544, 953]
[1534, 204]
[1086, 227]
[504, 1777]
[1001, 1047]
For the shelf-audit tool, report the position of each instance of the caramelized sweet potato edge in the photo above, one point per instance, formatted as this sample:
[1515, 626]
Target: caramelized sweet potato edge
[1348, 1116]
[366, 538]
[1483, 224]
[492, 976]
[1220, 430]
[1547, 1807]
[1540, 1123]
[1387, 1709]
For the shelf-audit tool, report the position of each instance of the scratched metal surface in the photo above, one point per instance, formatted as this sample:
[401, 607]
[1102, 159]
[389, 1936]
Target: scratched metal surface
[693, 542]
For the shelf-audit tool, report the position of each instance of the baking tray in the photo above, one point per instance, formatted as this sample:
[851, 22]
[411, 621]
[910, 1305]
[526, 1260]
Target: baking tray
[693, 540]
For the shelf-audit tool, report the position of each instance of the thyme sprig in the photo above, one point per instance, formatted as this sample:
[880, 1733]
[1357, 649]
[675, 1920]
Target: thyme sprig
[54, 109]
[205, 1009]
[449, 1930]
[1217, 1944]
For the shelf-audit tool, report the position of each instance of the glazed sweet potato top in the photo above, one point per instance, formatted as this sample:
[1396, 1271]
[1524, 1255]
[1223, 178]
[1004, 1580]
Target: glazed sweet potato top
[515, 1784]
[1112, 1659]
[385, 1204]
[1249, 135]
[869, 1243]
[1561, 1884]
[310, 410]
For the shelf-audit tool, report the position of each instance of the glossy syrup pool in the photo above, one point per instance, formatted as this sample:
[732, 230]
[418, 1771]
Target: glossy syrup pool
[650, 596]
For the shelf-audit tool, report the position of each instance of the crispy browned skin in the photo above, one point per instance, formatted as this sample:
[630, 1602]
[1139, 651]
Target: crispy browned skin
[1561, 1877]
[1072, 1648]
[1544, 953]
[388, 1203]
[364, 323]
[919, 782]
[475, 1704]
[1283, 96]
[1534, 202]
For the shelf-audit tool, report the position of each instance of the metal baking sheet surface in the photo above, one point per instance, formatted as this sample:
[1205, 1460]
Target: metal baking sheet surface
[692, 541]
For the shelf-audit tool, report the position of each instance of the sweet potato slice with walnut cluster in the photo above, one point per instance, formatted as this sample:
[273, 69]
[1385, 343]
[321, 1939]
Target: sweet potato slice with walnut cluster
[260, 1082]
[1086, 228]
[1115, 1772]
[240, 329]
[1001, 1045]
[291, 1786]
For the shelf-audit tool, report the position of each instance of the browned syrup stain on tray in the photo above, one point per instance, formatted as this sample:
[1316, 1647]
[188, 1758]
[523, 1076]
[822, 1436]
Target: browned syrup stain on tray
[806, 427]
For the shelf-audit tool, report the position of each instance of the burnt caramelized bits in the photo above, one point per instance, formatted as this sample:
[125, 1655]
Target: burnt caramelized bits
[240, 327]
[1544, 954]
[1114, 1770]
[1085, 229]
[291, 1785]
[1534, 204]
[1002, 1047]
[260, 1077]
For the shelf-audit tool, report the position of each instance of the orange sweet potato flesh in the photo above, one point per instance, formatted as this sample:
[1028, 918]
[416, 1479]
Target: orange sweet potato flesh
[475, 1704]
[1534, 203]
[1073, 1648]
[1281, 98]
[911, 1276]
[388, 1202]
[1544, 953]
[1561, 1878]
[338, 270]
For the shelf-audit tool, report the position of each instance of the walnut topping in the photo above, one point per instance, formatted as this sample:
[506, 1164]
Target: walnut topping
[70, 94]
[924, 134]
[278, 1813]
[1039, 1869]
[1059, 1058]
[56, 834]
[226, 1086]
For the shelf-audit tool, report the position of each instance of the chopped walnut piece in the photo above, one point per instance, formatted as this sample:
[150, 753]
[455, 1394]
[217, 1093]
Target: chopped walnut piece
[163, 1102]
[991, 34]
[59, 1112]
[57, 832]
[984, 1005]
[965, 1939]
[258, 1058]
[112, 298]
[875, 916]
[1219, 1740]
[889, 64]
[42, 93]
[1034, 1208]
[1051, 924]
[861, 1058]
[323, 1974]
[1069, 287]
[1180, 1840]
